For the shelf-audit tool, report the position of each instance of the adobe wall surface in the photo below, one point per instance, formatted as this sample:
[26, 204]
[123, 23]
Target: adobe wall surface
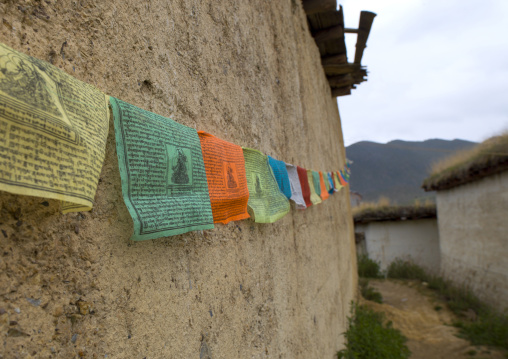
[415, 240]
[473, 230]
[249, 72]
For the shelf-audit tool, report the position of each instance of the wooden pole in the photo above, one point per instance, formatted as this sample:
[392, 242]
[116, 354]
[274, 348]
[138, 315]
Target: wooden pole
[366, 20]
[317, 6]
[350, 31]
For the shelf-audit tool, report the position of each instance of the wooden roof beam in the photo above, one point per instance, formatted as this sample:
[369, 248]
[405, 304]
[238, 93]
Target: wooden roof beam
[341, 91]
[340, 69]
[334, 60]
[340, 80]
[317, 6]
[330, 33]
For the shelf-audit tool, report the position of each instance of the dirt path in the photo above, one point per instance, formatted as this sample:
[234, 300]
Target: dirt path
[412, 308]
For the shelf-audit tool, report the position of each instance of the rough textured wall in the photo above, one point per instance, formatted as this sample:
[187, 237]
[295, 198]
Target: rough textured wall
[415, 240]
[473, 231]
[249, 72]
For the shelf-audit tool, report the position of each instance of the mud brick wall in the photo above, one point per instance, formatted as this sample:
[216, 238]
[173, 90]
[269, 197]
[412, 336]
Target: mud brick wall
[247, 71]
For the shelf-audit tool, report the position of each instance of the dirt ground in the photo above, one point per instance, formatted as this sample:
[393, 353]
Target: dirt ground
[411, 308]
[248, 72]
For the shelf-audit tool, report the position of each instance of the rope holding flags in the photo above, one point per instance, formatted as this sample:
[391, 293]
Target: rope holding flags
[174, 178]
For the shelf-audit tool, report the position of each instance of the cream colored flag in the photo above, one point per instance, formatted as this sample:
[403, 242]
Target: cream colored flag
[53, 131]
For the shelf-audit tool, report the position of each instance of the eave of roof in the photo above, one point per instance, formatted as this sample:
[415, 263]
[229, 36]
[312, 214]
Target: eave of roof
[394, 213]
[326, 24]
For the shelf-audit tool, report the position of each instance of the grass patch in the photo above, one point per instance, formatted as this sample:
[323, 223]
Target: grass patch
[384, 211]
[368, 268]
[489, 329]
[368, 337]
[368, 292]
[478, 323]
[401, 269]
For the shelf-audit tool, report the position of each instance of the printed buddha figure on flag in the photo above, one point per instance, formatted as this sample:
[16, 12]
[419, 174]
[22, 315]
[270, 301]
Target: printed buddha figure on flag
[180, 175]
[179, 167]
[30, 80]
[231, 177]
[258, 186]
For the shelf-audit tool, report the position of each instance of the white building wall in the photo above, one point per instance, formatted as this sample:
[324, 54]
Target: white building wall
[415, 240]
[473, 228]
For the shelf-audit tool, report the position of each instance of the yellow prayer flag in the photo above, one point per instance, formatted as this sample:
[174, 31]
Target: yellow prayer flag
[53, 131]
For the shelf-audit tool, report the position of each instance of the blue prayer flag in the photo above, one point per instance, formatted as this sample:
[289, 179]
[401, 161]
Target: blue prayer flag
[281, 175]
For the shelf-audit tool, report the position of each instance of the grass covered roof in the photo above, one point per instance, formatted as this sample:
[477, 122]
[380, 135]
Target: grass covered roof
[488, 158]
[384, 211]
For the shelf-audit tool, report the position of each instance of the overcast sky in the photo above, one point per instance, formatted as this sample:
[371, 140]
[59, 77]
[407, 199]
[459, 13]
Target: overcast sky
[437, 69]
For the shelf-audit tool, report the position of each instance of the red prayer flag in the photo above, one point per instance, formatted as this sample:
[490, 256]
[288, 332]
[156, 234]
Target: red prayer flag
[304, 181]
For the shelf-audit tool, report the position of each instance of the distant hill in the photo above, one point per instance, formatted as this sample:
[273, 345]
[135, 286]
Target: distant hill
[396, 169]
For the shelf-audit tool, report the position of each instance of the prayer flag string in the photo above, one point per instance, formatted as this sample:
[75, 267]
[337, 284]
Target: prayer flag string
[174, 179]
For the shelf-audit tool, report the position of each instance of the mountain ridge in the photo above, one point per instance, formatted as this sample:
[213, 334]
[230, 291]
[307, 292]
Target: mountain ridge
[396, 169]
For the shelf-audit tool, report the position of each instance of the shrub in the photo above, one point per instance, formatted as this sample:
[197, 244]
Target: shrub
[369, 293]
[401, 269]
[368, 337]
[489, 329]
[461, 299]
[368, 268]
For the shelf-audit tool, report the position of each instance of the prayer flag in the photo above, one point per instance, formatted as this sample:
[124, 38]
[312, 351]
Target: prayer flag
[324, 192]
[281, 175]
[336, 181]
[296, 188]
[317, 183]
[304, 182]
[227, 181]
[330, 180]
[345, 175]
[163, 175]
[341, 179]
[314, 197]
[325, 179]
[267, 203]
[53, 132]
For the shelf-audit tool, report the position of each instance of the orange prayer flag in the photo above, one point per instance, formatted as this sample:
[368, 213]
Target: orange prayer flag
[341, 179]
[227, 181]
[324, 192]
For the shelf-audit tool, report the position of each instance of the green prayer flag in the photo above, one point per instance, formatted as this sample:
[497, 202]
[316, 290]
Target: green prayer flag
[267, 203]
[162, 171]
[326, 181]
[317, 182]
[314, 197]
